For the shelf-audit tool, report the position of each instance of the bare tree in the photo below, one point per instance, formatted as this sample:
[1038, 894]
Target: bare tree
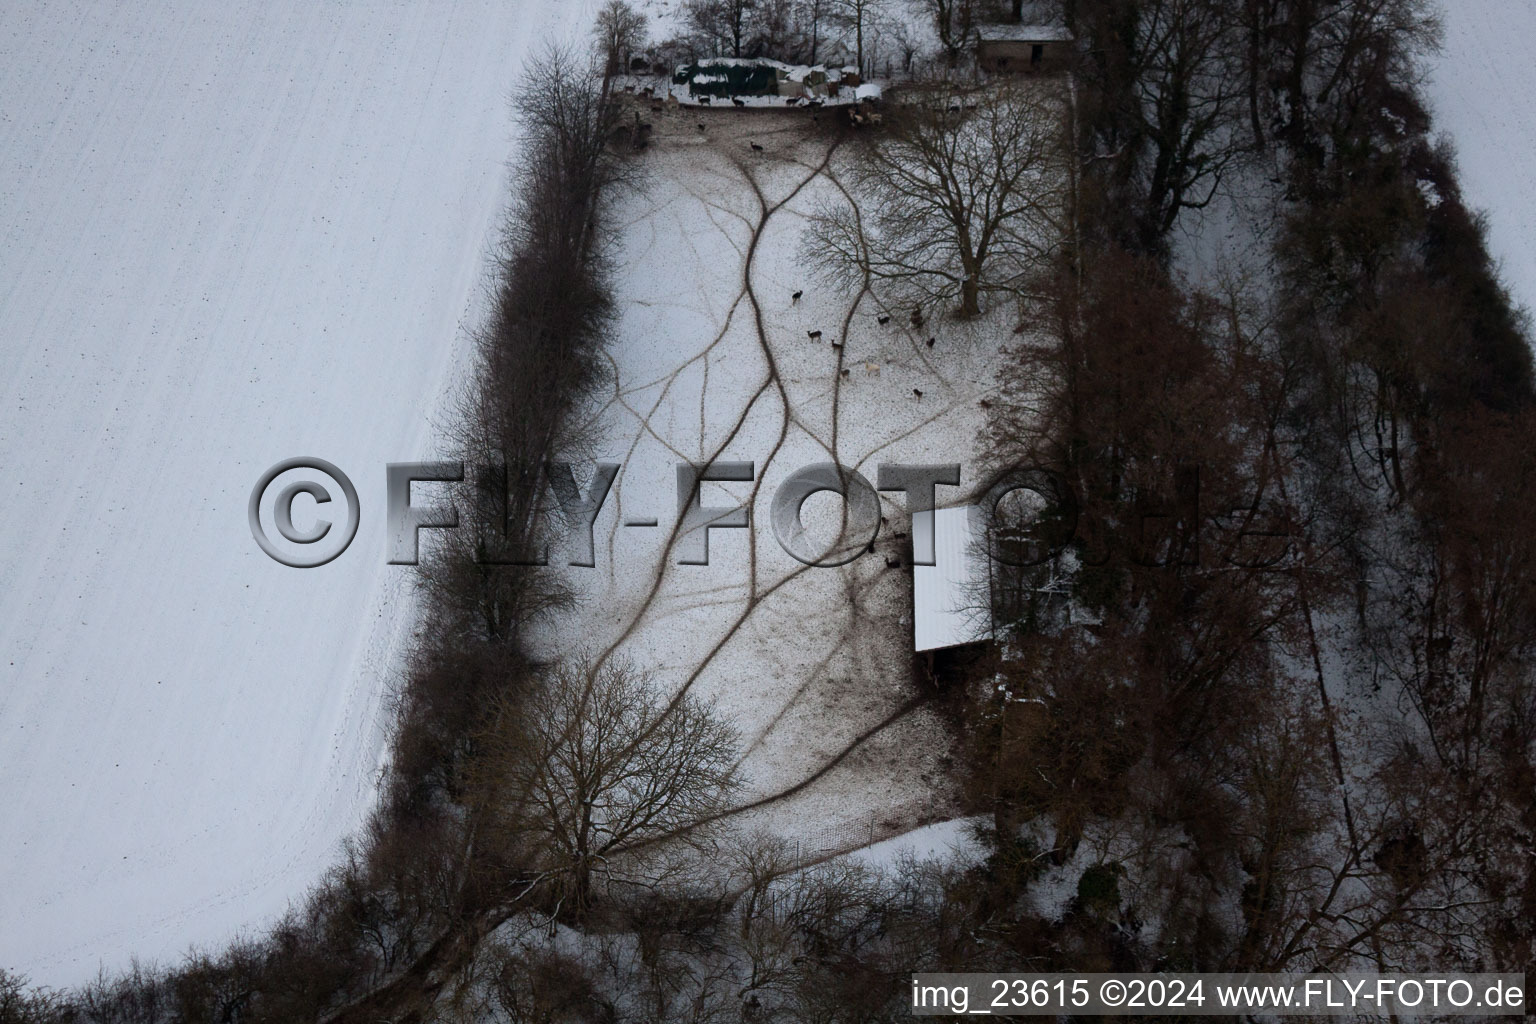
[723, 23]
[1189, 88]
[952, 19]
[593, 763]
[857, 14]
[963, 195]
[811, 13]
[620, 31]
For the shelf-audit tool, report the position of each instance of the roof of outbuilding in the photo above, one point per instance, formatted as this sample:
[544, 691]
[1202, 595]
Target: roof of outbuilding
[950, 597]
[1022, 34]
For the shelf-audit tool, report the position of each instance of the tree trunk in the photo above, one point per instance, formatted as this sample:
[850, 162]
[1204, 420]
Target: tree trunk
[970, 297]
[1255, 54]
[581, 889]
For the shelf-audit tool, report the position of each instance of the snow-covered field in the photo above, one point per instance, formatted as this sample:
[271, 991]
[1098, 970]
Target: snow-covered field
[1480, 92]
[232, 233]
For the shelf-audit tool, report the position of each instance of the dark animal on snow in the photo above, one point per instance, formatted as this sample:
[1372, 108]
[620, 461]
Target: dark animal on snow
[882, 319]
[738, 101]
[931, 341]
[813, 335]
[796, 297]
[918, 393]
[755, 147]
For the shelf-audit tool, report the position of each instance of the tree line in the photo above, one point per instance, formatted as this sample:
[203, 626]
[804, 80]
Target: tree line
[1325, 762]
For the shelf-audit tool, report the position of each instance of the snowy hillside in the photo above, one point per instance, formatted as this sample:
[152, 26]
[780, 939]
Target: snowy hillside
[232, 233]
[1480, 92]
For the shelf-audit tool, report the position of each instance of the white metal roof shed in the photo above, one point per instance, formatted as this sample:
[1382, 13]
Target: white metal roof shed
[950, 598]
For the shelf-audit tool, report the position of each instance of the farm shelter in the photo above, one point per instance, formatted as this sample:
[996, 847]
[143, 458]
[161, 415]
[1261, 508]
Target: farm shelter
[804, 81]
[741, 77]
[951, 600]
[1022, 47]
[730, 76]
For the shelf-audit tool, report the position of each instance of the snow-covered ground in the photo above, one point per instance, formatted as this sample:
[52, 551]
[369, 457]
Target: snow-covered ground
[713, 360]
[1480, 91]
[232, 233]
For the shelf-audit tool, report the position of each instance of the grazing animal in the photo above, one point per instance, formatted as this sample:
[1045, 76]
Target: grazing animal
[882, 319]
[755, 147]
[837, 343]
[918, 393]
[796, 297]
[813, 335]
[931, 341]
[917, 316]
[985, 403]
[738, 101]
[845, 371]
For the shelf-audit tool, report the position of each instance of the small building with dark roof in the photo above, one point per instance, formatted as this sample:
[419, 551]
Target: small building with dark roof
[1026, 48]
